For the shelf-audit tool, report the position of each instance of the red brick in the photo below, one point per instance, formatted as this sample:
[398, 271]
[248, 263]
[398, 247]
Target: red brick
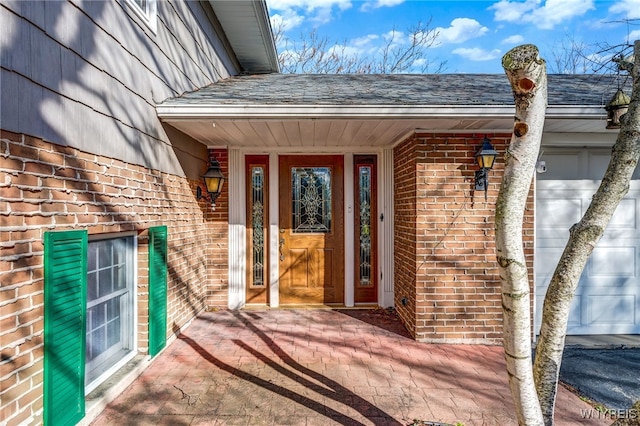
[25, 179]
[14, 137]
[11, 164]
[51, 158]
[22, 151]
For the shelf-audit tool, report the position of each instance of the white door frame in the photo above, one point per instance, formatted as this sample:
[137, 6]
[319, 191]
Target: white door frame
[237, 227]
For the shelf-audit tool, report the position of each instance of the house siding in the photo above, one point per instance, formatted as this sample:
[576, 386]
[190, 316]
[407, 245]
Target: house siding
[445, 264]
[81, 147]
[46, 186]
[89, 74]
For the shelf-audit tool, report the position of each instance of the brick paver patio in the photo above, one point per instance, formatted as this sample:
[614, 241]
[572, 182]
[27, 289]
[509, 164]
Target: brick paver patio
[320, 367]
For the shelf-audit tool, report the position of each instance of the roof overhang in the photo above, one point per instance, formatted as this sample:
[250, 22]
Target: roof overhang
[248, 29]
[357, 127]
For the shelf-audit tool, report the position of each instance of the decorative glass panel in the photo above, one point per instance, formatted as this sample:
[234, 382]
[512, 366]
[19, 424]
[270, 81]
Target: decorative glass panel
[364, 176]
[257, 223]
[311, 199]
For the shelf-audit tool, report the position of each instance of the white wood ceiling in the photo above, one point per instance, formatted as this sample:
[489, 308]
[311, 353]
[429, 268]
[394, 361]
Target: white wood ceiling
[351, 133]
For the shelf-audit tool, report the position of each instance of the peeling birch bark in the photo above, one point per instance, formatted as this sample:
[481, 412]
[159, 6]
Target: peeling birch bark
[528, 77]
[583, 238]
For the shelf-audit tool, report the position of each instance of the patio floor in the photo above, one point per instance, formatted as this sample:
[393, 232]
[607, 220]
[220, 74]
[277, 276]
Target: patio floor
[321, 367]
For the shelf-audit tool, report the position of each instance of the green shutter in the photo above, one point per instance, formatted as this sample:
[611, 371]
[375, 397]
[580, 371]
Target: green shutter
[65, 279]
[157, 289]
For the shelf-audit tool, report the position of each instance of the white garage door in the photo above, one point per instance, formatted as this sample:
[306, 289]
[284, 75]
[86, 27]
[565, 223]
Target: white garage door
[608, 296]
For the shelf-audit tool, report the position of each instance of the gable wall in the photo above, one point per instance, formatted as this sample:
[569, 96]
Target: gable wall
[456, 289]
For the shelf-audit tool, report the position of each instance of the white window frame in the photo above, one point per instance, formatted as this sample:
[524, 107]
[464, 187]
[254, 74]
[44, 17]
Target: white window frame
[133, 315]
[148, 15]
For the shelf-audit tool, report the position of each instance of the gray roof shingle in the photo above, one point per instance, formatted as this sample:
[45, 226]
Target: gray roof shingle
[393, 89]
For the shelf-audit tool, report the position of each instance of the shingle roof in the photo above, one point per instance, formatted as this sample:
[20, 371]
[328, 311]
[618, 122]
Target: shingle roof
[393, 89]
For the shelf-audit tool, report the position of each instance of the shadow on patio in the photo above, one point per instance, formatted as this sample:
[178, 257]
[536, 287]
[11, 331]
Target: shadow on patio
[308, 367]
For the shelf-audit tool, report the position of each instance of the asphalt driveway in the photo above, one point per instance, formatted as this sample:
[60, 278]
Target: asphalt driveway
[609, 376]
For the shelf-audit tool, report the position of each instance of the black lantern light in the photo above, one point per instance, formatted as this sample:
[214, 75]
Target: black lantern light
[213, 180]
[485, 157]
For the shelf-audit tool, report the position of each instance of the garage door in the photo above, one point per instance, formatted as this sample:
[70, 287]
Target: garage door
[608, 296]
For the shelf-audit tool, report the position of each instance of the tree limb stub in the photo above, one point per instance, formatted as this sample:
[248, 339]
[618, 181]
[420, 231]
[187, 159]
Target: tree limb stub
[522, 66]
[521, 57]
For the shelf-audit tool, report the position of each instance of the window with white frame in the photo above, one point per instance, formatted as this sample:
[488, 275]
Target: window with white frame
[147, 10]
[110, 321]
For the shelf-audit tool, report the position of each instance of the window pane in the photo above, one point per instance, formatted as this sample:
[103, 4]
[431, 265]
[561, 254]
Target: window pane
[96, 318]
[105, 282]
[92, 286]
[109, 304]
[120, 277]
[105, 257]
[92, 257]
[311, 199]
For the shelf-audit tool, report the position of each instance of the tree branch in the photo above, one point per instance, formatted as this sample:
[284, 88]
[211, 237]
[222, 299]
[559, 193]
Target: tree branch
[527, 74]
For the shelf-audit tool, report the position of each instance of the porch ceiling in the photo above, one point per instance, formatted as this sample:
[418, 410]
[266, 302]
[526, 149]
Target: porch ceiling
[352, 133]
[275, 111]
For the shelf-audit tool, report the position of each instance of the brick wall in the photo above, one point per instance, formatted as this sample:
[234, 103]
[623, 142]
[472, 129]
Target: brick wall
[449, 248]
[43, 187]
[405, 231]
[218, 247]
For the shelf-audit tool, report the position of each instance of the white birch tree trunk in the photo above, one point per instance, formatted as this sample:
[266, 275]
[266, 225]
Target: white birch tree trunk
[528, 77]
[583, 237]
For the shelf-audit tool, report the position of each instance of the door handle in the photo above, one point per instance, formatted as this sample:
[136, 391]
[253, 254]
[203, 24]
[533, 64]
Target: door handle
[281, 246]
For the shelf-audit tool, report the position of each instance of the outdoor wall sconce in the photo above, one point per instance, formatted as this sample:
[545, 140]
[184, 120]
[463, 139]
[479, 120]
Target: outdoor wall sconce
[213, 180]
[485, 157]
[616, 108]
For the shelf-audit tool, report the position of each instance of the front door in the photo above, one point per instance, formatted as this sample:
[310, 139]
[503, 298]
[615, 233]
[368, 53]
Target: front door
[311, 235]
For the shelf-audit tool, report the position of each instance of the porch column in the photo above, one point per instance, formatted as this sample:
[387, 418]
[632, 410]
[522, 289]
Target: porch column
[385, 237]
[237, 231]
[274, 231]
[349, 224]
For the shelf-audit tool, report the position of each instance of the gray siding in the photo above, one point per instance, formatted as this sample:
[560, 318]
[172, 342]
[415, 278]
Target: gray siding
[89, 74]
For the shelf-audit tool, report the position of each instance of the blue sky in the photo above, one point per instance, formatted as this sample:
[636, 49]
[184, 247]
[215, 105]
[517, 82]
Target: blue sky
[472, 35]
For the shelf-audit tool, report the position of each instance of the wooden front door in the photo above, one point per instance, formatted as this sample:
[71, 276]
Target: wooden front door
[311, 235]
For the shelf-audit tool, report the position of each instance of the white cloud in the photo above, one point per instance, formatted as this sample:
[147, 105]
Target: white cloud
[308, 5]
[343, 50]
[506, 10]
[460, 30]
[318, 11]
[287, 21]
[394, 35]
[514, 39]
[376, 4]
[629, 8]
[634, 35]
[365, 40]
[544, 15]
[477, 54]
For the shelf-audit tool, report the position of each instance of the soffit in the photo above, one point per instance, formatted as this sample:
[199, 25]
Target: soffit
[247, 27]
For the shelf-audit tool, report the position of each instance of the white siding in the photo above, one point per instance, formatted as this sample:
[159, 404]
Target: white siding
[607, 300]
